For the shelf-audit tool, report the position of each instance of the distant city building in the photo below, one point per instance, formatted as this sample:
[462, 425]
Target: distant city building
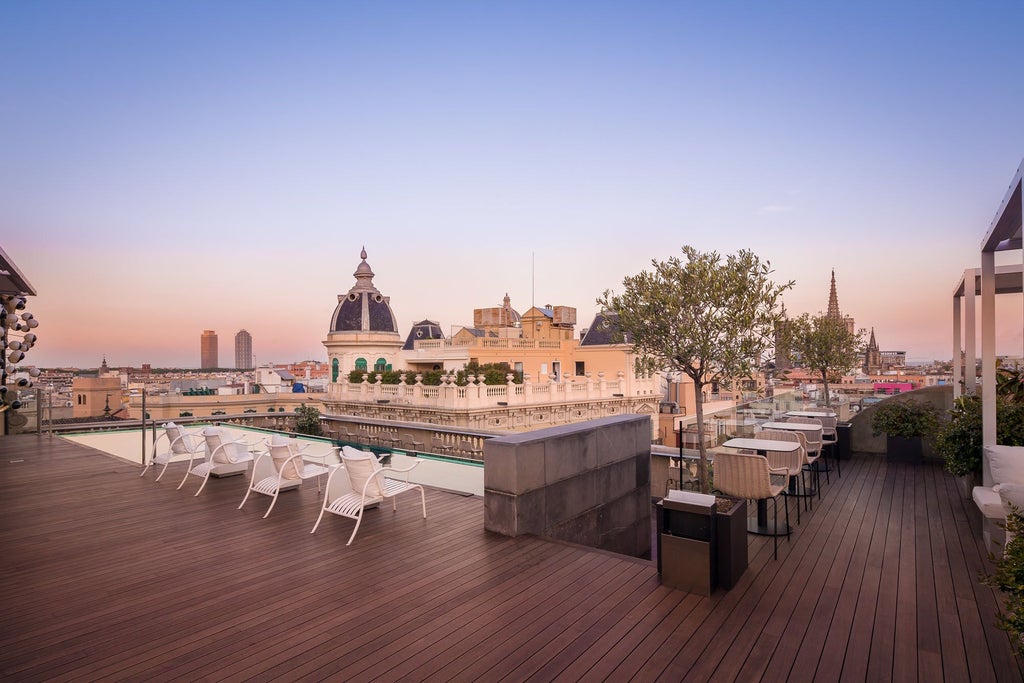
[208, 350]
[783, 361]
[833, 307]
[564, 379]
[243, 350]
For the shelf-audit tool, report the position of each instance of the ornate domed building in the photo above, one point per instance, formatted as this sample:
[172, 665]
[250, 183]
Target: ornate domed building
[364, 333]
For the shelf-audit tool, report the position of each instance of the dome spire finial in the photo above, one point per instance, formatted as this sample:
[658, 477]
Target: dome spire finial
[362, 254]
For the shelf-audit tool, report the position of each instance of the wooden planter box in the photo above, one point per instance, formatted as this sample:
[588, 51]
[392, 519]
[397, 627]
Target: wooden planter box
[904, 450]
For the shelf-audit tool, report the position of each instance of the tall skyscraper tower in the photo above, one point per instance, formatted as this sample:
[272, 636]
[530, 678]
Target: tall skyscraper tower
[208, 350]
[243, 350]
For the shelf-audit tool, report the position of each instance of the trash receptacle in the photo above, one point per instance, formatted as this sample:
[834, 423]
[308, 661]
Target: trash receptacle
[685, 535]
[843, 448]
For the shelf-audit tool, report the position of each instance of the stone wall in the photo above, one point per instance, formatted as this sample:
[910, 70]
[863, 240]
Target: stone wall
[586, 483]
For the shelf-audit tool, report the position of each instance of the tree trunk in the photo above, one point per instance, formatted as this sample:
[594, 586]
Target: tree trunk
[828, 394]
[702, 467]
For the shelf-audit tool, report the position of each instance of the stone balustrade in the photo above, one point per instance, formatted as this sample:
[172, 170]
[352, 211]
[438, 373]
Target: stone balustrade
[475, 395]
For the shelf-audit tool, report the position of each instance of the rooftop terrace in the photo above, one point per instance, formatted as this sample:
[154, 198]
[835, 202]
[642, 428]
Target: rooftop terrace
[110, 576]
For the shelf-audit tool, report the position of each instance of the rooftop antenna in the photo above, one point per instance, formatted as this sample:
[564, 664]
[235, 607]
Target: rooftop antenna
[533, 279]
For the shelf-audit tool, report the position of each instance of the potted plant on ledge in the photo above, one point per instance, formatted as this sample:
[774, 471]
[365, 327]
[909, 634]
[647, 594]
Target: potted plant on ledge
[905, 424]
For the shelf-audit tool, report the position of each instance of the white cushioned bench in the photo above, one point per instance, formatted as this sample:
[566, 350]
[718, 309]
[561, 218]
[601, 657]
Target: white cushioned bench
[1007, 466]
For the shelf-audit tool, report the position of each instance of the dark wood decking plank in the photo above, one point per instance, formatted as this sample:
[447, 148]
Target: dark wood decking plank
[905, 633]
[858, 647]
[926, 601]
[776, 617]
[539, 594]
[546, 642]
[109, 576]
[883, 632]
[811, 602]
[824, 650]
[977, 604]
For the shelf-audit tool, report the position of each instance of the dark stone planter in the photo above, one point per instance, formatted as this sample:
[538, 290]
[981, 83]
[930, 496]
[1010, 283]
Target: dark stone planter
[965, 485]
[731, 542]
[904, 450]
[700, 550]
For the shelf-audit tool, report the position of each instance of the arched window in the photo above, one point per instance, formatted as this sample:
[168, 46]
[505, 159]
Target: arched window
[381, 365]
[361, 364]
[334, 370]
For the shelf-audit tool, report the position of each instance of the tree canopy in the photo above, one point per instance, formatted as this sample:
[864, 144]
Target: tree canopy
[707, 318]
[825, 345]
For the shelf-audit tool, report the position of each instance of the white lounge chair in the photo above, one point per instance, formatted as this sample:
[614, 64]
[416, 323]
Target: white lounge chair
[359, 482]
[179, 442]
[224, 457]
[283, 466]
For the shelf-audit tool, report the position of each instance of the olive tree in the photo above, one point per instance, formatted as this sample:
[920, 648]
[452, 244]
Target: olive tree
[702, 316]
[825, 346]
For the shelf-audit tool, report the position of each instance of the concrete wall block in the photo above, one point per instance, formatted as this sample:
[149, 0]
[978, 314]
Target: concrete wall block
[642, 435]
[514, 515]
[569, 455]
[618, 514]
[570, 498]
[587, 483]
[643, 470]
[532, 511]
[617, 442]
[500, 513]
[513, 467]
[582, 529]
[617, 480]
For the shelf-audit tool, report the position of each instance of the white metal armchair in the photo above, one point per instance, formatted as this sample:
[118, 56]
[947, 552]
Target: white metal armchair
[359, 482]
[224, 457]
[283, 466]
[178, 443]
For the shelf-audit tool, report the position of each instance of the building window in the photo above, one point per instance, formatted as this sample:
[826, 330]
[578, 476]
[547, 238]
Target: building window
[334, 370]
[380, 366]
[580, 368]
[361, 364]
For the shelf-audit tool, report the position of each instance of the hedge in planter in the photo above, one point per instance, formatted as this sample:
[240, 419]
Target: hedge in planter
[1009, 578]
[958, 439]
[905, 424]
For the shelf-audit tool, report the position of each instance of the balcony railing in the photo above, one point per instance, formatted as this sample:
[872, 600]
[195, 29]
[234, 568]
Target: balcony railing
[412, 392]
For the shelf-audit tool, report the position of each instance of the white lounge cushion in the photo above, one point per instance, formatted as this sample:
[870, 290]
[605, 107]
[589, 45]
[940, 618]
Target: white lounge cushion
[362, 467]
[1006, 463]
[281, 453]
[1011, 495]
[223, 450]
[174, 434]
[989, 502]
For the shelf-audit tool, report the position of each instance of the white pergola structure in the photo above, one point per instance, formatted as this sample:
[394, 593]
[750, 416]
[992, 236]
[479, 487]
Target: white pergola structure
[1004, 234]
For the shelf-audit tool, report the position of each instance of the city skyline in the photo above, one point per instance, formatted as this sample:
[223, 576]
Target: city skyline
[190, 167]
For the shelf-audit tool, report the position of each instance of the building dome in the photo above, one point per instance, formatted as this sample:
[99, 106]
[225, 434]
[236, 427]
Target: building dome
[424, 329]
[363, 308]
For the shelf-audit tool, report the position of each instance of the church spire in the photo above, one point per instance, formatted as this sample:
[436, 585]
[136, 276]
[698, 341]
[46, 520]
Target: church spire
[833, 299]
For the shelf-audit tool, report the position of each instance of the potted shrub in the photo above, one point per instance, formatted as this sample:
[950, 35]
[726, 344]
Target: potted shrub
[1009, 578]
[958, 439]
[905, 424]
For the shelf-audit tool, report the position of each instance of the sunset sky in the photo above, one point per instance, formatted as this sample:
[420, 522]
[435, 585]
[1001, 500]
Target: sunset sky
[170, 167]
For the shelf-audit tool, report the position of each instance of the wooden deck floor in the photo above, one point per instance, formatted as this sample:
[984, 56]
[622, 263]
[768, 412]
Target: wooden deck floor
[106, 576]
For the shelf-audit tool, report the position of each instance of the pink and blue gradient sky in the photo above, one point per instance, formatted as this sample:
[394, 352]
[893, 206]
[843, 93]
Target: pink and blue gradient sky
[174, 167]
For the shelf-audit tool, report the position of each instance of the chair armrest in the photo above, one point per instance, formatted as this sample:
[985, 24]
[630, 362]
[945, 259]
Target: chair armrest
[400, 470]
